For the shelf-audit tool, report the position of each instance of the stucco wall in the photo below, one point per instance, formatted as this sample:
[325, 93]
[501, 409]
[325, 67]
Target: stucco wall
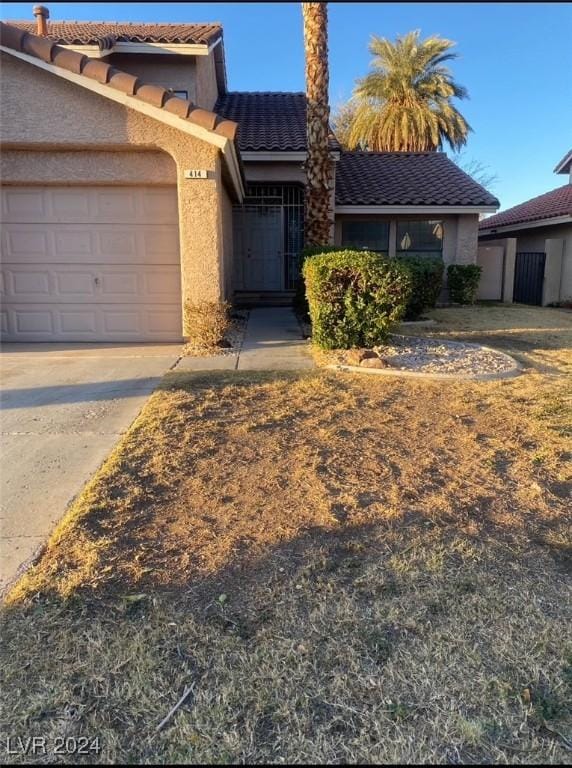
[534, 240]
[45, 114]
[270, 173]
[146, 167]
[170, 71]
[206, 92]
[467, 239]
[227, 241]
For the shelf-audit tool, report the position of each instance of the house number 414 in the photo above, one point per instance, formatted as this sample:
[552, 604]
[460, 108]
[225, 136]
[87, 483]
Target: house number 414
[194, 173]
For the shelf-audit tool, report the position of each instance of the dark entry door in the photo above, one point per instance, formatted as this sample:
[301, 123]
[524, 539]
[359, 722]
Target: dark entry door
[258, 238]
[528, 278]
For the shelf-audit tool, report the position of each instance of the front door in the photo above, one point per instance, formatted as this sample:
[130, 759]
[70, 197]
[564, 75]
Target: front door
[261, 240]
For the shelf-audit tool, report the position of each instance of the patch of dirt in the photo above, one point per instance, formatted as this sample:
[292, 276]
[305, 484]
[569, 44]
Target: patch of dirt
[346, 570]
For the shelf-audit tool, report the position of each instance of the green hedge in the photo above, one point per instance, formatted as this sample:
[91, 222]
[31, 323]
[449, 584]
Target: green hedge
[355, 297]
[427, 282]
[300, 300]
[463, 281]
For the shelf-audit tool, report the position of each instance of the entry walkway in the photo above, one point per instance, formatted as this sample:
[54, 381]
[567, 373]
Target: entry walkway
[273, 342]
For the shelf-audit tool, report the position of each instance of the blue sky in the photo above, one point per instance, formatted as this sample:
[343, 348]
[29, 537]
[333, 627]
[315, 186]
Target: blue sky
[515, 60]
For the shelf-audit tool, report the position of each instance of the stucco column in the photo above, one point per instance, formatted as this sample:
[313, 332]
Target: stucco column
[467, 238]
[200, 230]
[554, 249]
[508, 273]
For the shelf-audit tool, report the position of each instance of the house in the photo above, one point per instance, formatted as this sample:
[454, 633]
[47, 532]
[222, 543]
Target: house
[134, 181]
[526, 251]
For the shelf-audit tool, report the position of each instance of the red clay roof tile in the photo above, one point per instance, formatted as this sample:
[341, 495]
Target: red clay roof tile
[69, 60]
[109, 32]
[550, 205]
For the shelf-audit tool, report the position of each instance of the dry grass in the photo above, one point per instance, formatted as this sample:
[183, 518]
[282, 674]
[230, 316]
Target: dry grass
[349, 569]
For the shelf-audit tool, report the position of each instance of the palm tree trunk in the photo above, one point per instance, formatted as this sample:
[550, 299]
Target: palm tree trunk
[318, 213]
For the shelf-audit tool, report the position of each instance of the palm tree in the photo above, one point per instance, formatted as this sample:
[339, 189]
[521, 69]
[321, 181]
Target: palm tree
[317, 223]
[405, 103]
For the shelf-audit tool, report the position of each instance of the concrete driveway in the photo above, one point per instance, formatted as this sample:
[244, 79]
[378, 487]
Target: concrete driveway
[63, 408]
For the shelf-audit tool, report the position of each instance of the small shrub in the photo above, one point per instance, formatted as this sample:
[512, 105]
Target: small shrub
[355, 297]
[300, 300]
[463, 282]
[427, 281]
[206, 323]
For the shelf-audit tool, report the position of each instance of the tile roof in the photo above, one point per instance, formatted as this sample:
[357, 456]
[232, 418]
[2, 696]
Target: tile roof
[268, 121]
[405, 178]
[558, 202]
[106, 33]
[94, 69]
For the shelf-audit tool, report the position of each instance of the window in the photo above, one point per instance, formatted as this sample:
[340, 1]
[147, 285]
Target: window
[420, 238]
[366, 235]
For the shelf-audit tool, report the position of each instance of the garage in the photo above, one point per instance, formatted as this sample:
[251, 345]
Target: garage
[90, 264]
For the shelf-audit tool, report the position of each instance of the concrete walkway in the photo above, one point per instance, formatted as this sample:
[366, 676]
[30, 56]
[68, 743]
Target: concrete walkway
[63, 407]
[273, 342]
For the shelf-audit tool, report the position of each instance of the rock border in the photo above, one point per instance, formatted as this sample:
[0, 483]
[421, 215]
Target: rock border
[515, 370]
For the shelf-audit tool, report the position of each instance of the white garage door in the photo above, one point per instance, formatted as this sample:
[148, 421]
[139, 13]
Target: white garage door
[90, 264]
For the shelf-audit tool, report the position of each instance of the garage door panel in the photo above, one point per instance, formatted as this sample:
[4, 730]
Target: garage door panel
[90, 243]
[90, 264]
[98, 322]
[103, 284]
[84, 205]
[23, 204]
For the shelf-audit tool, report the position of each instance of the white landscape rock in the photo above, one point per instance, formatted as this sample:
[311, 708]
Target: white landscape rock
[439, 357]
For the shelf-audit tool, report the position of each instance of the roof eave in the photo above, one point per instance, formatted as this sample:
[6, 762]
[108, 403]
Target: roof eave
[404, 208]
[565, 164]
[502, 228]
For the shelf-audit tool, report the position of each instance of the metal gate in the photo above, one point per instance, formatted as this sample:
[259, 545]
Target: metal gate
[528, 278]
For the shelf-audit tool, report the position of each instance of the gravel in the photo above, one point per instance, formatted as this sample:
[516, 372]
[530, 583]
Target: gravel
[423, 355]
[234, 337]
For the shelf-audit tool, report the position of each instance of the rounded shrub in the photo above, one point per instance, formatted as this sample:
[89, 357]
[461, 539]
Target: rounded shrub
[427, 281]
[355, 297]
[300, 300]
[463, 281]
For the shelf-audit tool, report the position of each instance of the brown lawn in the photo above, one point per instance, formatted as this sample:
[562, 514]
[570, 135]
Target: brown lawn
[344, 568]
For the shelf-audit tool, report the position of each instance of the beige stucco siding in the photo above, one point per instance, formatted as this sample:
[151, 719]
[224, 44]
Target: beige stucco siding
[206, 90]
[271, 173]
[47, 112]
[170, 71]
[227, 241]
[126, 168]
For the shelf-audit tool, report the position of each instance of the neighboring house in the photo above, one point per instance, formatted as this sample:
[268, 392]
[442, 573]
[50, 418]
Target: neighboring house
[534, 239]
[133, 181]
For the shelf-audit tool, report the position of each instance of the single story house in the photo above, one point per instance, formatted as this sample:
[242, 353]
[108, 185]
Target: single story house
[134, 181]
[529, 247]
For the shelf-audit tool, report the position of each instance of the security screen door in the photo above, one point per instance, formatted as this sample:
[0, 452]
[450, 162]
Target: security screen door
[262, 247]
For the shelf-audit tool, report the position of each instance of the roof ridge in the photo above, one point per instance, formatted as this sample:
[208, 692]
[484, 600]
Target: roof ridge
[46, 50]
[120, 23]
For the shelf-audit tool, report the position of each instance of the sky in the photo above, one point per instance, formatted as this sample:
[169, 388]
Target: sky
[514, 58]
